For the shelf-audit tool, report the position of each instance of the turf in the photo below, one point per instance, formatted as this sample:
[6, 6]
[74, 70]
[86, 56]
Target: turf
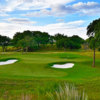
[33, 73]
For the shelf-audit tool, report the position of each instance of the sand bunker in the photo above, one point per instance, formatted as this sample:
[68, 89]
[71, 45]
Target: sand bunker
[67, 65]
[8, 62]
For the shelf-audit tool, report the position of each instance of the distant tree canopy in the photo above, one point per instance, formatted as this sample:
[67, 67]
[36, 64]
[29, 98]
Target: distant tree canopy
[59, 36]
[77, 39]
[26, 43]
[65, 42]
[4, 42]
[33, 40]
[41, 37]
[19, 36]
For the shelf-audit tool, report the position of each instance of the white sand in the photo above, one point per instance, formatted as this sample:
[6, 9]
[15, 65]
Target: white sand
[8, 62]
[68, 65]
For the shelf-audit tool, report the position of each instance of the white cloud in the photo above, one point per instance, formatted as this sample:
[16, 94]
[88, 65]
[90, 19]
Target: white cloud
[58, 7]
[71, 28]
[25, 21]
[12, 5]
[90, 8]
[79, 7]
[40, 4]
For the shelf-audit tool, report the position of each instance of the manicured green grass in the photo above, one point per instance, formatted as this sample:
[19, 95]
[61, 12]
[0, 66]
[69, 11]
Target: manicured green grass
[33, 73]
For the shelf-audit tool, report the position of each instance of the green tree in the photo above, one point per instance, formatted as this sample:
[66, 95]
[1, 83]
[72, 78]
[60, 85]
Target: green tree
[19, 36]
[4, 42]
[93, 32]
[67, 43]
[45, 38]
[37, 35]
[41, 37]
[51, 40]
[76, 39]
[59, 36]
[26, 43]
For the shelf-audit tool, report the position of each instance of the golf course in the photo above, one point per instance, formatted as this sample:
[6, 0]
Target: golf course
[32, 76]
[49, 49]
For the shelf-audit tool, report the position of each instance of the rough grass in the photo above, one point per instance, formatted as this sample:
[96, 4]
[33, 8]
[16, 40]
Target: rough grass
[67, 92]
[32, 76]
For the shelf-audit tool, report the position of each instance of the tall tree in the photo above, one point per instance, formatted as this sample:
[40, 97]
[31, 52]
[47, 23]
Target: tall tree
[93, 32]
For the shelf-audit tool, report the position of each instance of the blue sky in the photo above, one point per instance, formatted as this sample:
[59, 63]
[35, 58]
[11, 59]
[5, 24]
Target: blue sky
[69, 17]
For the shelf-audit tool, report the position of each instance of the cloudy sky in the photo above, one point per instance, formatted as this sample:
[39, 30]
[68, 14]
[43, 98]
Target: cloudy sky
[69, 17]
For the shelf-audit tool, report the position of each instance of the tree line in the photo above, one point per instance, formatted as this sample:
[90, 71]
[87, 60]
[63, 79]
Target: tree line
[34, 40]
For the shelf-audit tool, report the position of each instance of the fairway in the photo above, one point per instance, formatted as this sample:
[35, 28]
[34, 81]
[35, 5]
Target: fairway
[35, 69]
